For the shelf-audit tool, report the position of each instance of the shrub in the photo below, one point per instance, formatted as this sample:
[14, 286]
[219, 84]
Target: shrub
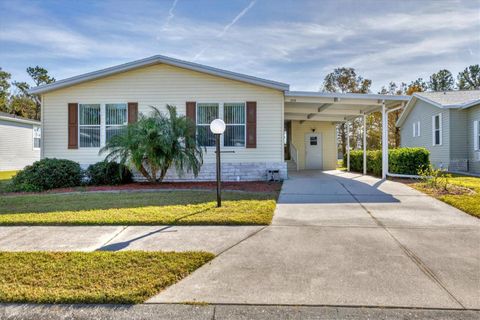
[435, 178]
[154, 144]
[47, 174]
[401, 160]
[109, 173]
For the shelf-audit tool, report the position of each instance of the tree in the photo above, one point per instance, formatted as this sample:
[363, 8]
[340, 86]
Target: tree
[376, 119]
[416, 86]
[345, 80]
[39, 76]
[469, 79]
[153, 144]
[4, 90]
[441, 81]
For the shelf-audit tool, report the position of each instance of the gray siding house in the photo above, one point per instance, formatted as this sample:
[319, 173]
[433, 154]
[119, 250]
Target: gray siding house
[448, 125]
[20, 141]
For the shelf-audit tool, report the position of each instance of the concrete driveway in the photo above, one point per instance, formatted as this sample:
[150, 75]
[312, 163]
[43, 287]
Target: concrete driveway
[342, 239]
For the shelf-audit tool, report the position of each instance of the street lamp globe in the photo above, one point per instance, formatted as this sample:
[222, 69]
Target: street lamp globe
[217, 126]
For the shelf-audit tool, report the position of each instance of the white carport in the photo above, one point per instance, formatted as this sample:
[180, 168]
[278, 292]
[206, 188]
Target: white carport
[339, 108]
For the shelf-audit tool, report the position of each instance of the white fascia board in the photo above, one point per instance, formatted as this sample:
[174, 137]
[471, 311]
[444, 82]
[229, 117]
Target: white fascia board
[156, 60]
[406, 111]
[32, 122]
[362, 96]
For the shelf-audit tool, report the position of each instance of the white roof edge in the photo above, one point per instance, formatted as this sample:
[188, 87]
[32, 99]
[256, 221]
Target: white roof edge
[448, 106]
[415, 96]
[21, 120]
[154, 60]
[367, 96]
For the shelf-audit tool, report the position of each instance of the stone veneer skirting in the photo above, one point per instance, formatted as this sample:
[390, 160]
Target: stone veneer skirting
[239, 171]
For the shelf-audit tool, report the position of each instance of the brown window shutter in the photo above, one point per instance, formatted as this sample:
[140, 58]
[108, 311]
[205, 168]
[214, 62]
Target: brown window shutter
[73, 126]
[132, 112]
[251, 124]
[191, 110]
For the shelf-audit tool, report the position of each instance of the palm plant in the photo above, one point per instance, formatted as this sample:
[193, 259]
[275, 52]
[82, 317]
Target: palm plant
[154, 143]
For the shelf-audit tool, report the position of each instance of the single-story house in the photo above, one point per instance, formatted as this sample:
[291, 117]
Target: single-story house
[20, 140]
[267, 124]
[448, 125]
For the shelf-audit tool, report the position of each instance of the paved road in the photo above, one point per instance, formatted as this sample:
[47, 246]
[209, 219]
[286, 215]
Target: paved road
[222, 312]
[341, 239]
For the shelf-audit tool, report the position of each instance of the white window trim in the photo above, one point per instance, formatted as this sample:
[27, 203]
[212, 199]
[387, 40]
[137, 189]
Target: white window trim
[33, 137]
[476, 135]
[414, 129]
[221, 116]
[418, 129]
[103, 123]
[439, 129]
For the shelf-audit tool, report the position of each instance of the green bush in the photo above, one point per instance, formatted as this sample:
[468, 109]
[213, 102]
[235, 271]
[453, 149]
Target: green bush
[47, 174]
[108, 173]
[401, 160]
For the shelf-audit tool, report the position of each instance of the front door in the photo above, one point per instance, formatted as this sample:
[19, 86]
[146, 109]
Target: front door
[313, 151]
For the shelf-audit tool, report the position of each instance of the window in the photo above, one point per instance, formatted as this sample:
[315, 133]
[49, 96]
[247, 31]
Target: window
[37, 136]
[89, 125]
[206, 113]
[115, 119]
[416, 129]
[437, 129]
[234, 117]
[313, 141]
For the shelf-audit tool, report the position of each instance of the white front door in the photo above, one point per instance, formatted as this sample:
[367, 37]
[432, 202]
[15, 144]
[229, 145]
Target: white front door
[313, 151]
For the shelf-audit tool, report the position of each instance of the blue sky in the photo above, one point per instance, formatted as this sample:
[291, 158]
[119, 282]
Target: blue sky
[297, 42]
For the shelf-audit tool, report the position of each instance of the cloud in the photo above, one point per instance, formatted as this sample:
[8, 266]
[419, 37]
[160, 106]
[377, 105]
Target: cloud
[170, 13]
[227, 27]
[397, 43]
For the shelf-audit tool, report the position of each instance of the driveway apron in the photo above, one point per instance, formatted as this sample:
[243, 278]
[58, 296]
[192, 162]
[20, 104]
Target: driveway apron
[344, 239]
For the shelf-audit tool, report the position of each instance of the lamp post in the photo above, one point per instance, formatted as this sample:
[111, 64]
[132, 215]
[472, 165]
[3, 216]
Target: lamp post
[217, 127]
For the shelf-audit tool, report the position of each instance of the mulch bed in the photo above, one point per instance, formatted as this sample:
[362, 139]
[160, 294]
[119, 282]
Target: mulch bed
[249, 186]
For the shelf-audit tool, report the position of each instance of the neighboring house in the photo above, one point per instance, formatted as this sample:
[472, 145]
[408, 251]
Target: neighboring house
[266, 123]
[20, 140]
[448, 125]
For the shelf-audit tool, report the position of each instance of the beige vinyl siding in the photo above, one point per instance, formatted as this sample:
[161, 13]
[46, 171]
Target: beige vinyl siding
[158, 86]
[473, 114]
[423, 112]
[327, 129]
[16, 145]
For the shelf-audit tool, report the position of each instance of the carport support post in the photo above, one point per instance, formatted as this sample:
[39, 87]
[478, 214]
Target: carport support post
[348, 145]
[384, 141]
[364, 144]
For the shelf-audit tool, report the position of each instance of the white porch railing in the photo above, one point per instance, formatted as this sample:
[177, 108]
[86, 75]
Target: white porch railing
[294, 154]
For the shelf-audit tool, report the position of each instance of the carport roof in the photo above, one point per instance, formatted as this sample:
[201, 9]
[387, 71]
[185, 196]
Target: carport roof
[336, 107]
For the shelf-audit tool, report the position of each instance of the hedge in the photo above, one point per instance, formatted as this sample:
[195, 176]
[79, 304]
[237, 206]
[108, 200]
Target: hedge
[108, 173]
[47, 174]
[400, 160]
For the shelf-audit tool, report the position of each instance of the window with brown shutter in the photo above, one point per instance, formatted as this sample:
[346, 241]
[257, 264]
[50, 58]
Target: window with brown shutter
[73, 126]
[251, 124]
[132, 112]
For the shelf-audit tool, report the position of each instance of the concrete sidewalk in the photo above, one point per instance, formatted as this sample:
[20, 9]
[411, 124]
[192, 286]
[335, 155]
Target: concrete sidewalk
[215, 239]
[345, 239]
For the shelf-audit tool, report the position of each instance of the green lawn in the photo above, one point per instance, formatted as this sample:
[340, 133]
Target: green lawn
[5, 177]
[138, 208]
[92, 277]
[470, 203]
